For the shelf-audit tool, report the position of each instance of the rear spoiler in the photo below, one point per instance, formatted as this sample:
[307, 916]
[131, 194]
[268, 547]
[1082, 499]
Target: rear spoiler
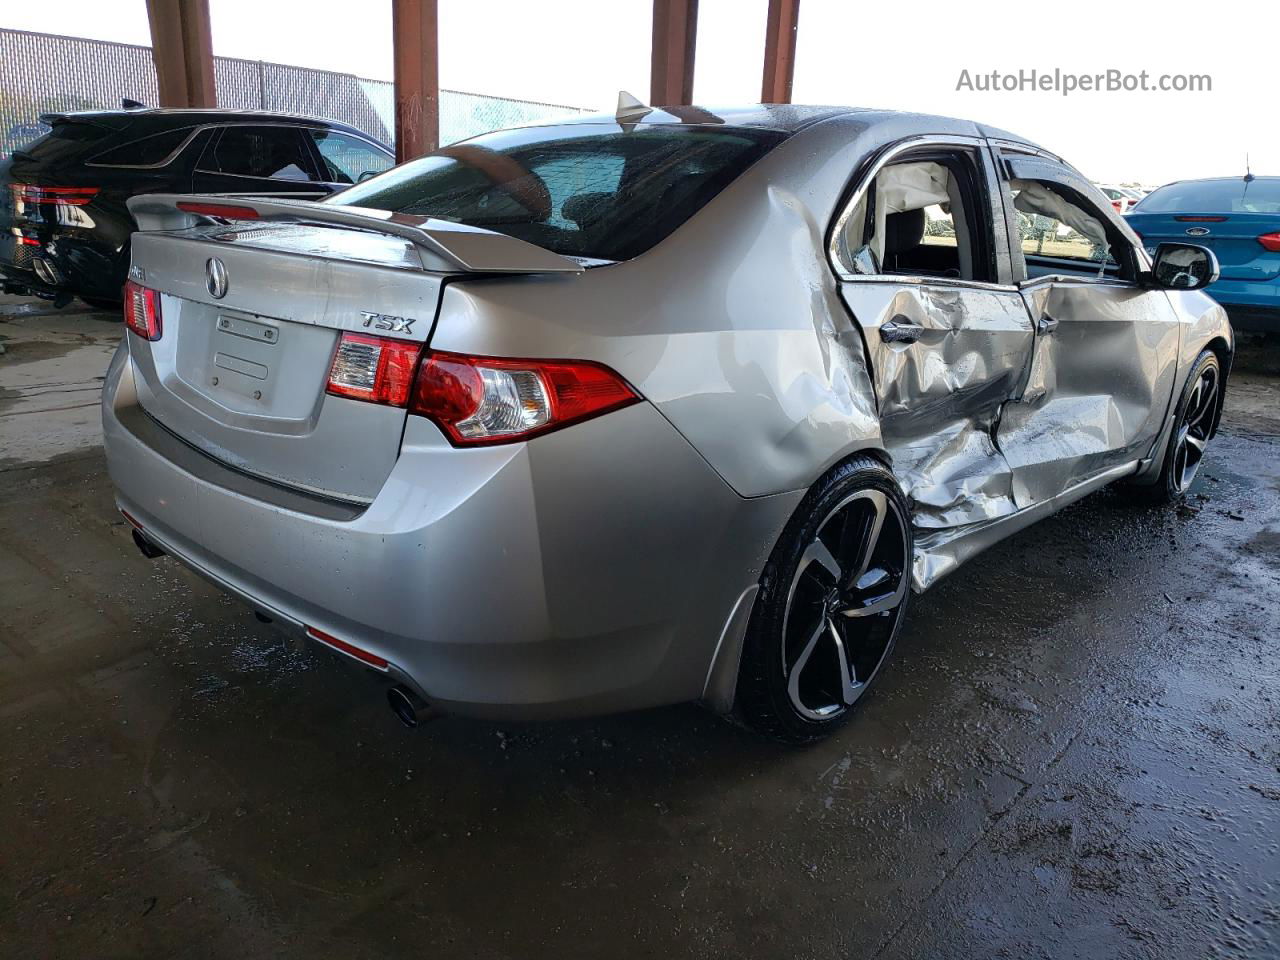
[445, 247]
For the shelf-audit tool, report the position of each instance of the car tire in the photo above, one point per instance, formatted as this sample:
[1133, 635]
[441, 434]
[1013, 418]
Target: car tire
[1194, 422]
[832, 599]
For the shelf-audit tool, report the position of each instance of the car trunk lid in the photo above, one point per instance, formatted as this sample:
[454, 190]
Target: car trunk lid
[243, 376]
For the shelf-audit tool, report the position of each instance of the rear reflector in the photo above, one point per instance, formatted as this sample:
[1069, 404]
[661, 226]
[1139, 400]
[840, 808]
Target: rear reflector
[487, 400]
[142, 311]
[364, 656]
[376, 369]
[1270, 242]
[128, 516]
[1201, 219]
[226, 211]
[70, 196]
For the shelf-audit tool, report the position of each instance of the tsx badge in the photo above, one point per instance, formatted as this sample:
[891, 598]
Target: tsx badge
[384, 321]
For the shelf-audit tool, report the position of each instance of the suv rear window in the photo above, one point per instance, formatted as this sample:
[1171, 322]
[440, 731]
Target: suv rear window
[145, 152]
[1214, 196]
[65, 141]
[583, 190]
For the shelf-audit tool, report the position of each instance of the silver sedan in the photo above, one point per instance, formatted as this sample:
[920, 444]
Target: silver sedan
[675, 405]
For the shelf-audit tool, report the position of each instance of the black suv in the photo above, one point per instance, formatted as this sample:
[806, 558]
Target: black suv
[64, 227]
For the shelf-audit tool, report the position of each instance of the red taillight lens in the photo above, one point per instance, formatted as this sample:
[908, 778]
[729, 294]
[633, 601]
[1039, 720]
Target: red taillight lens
[1270, 242]
[142, 311]
[71, 196]
[376, 369]
[486, 400]
[227, 211]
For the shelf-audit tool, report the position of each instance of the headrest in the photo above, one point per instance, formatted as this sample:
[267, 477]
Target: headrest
[903, 231]
[585, 208]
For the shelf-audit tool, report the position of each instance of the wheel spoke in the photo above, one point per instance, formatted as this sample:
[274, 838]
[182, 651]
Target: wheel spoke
[793, 679]
[849, 682]
[817, 552]
[860, 534]
[1196, 443]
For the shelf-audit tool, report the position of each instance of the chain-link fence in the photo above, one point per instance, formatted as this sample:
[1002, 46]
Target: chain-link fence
[42, 73]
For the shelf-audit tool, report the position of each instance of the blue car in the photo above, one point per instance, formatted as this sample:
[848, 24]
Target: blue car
[1239, 219]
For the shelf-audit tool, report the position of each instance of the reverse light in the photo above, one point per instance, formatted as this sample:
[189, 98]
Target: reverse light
[488, 400]
[225, 211]
[375, 369]
[142, 310]
[71, 196]
[1270, 242]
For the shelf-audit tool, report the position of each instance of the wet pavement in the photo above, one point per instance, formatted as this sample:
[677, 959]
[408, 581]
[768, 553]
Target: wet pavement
[1075, 752]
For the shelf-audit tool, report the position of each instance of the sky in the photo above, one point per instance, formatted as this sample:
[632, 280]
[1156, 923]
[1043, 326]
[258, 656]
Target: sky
[892, 55]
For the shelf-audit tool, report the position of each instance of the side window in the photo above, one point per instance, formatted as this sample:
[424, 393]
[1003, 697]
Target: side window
[920, 217]
[277, 153]
[1052, 225]
[347, 159]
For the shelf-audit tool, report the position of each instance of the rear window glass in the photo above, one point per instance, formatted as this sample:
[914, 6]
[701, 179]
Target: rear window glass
[149, 150]
[584, 190]
[1214, 196]
[66, 141]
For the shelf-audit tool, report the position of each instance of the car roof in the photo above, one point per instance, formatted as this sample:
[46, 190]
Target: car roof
[164, 118]
[785, 117]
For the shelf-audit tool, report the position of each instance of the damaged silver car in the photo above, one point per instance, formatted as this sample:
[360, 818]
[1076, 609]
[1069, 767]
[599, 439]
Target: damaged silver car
[674, 405]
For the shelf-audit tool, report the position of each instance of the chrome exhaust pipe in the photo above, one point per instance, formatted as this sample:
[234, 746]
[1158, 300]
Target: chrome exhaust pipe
[409, 708]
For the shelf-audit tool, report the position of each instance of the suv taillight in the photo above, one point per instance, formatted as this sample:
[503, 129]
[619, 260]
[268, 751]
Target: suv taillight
[487, 400]
[71, 196]
[475, 400]
[142, 310]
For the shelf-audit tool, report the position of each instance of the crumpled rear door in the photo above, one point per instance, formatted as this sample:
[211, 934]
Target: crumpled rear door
[945, 359]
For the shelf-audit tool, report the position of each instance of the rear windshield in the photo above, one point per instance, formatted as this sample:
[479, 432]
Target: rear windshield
[66, 141]
[584, 190]
[1214, 196]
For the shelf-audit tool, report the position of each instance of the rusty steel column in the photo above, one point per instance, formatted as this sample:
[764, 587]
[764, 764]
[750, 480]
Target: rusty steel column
[780, 51]
[182, 47]
[675, 33]
[414, 24]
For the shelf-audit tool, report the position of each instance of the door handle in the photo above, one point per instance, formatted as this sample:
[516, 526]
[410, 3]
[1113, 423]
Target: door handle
[900, 330]
[1047, 324]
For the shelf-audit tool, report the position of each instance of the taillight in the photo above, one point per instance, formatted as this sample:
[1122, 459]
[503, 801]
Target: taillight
[486, 400]
[71, 196]
[376, 369]
[142, 310]
[226, 211]
[1270, 242]
[1201, 219]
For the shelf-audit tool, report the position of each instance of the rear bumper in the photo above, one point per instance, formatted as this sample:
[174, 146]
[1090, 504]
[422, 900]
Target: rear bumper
[1252, 305]
[592, 570]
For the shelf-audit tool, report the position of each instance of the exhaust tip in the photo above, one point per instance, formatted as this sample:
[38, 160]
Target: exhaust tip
[146, 547]
[404, 705]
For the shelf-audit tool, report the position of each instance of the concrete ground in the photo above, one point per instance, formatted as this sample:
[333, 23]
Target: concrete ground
[1075, 753]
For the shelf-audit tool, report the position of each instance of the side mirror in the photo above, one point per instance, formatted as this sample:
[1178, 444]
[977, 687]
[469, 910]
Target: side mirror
[1183, 266]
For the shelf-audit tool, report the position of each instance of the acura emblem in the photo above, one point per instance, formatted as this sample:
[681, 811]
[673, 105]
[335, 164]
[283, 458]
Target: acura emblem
[215, 278]
[1197, 231]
